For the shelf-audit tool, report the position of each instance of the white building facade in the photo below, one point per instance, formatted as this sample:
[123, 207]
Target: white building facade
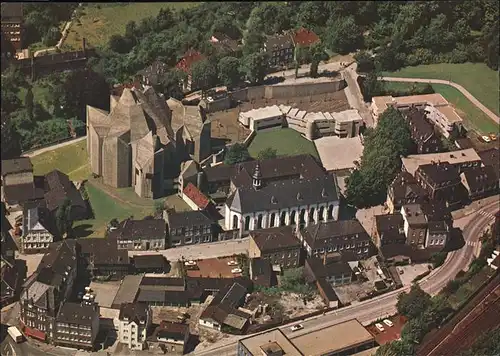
[133, 326]
[36, 237]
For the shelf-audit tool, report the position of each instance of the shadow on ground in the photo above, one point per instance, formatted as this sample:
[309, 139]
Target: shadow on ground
[456, 240]
[193, 341]
[83, 230]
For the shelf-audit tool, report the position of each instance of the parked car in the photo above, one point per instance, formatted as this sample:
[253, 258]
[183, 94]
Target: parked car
[297, 327]
[190, 263]
[379, 327]
[486, 139]
[493, 136]
[236, 270]
[232, 263]
[388, 323]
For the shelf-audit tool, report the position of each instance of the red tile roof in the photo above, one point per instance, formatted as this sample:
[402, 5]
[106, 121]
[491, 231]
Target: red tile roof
[193, 193]
[188, 60]
[305, 37]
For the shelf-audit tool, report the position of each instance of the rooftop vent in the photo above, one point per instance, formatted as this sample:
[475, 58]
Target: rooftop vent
[273, 200]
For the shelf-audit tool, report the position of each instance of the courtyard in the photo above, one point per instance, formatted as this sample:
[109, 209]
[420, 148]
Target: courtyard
[214, 268]
[286, 141]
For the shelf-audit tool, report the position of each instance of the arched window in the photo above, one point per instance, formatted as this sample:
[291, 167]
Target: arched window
[311, 214]
[283, 218]
[235, 221]
[293, 217]
[302, 216]
[259, 221]
[247, 223]
[321, 213]
[273, 220]
[330, 212]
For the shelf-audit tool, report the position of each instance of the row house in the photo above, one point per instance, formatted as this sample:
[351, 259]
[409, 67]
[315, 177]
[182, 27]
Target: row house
[388, 229]
[171, 338]
[77, 325]
[442, 182]
[335, 272]
[190, 227]
[415, 224]
[134, 322]
[103, 258]
[404, 189]
[148, 234]
[480, 181]
[280, 50]
[422, 132]
[343, 236]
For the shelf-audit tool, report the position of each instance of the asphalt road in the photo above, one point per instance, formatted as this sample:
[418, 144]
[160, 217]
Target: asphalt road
[385, 305]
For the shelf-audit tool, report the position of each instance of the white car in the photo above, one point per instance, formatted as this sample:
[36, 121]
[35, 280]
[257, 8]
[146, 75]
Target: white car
[486, 139]
[379, 327]
[236, 270]
[232, 263]
[297, 327]
[190, 263]
[388, 323]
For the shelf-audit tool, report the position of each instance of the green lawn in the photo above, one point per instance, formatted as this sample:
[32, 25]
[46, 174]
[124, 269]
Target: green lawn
[477, 78]
[71, 159]
[473, 117]
[41, 94]
[286, 141]
[100, 21]
[468, 288]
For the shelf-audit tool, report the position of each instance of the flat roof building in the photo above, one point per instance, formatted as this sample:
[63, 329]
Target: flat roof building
[272, 342]
[460, 158]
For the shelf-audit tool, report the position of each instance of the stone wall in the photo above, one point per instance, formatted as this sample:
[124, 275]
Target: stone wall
[219, 105]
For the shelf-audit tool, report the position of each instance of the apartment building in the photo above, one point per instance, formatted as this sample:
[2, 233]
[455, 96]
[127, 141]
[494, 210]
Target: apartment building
[77, 325]
[415, 224]
[134, 321]
[141, 234]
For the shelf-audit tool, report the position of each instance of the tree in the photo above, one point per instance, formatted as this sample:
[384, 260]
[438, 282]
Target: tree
[159, 205]
[343, 34]
[318, 54]
[414, 330]
[236, 153]
[120, 44]
[267, 153]
[396, 348]
[170, 83]
[52, 37]
[365, 61]
[29, 102]
[229, 72]
[204, 74]
[64, 220]
[255, 66]
[414, 303]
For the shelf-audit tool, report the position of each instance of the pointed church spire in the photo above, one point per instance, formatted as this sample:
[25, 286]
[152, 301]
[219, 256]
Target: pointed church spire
[257, 177]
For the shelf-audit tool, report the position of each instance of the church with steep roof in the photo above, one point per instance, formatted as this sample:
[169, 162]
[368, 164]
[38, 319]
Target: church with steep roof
[134, 145]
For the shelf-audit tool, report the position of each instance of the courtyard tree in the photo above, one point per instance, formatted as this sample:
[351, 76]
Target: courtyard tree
[414, 303]
[318, 54]
[229, 71]
[236, 153]
[343, 34]
[64, 221]
[204, 73]
[267, 153]
[255, 66]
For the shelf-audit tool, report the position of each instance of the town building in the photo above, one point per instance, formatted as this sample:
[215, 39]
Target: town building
[12, 24]
[185, 64]
[415, 224]
[343, 236]
[295, 202]
[77, 325]
[442, 182]
[141, 234]
[335, 272]
[480, 181]
[190, 227]
[422, 132]
[153, 74]
[437, 234]
[18, 184]
[262, 118]
[261, 273]
[171, 338]
[13, 273]
[280, 50]
[58, 188]
[403, 190]
[47, 289]
[279, 245]
[302, 40]
[462, 160]
[491, 158]
[388, 229]
[150, 264]
[102, 258]
[270, 342]
[38, 230]
[135, 320]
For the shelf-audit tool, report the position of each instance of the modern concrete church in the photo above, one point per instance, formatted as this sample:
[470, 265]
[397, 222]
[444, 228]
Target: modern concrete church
[135, 144]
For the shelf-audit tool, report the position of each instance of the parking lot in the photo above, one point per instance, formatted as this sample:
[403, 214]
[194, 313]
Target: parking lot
[412, 271]
[214, 268]
[390, 333]
[105, 292]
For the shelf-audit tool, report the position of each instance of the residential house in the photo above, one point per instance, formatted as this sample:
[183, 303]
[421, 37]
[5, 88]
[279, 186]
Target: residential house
[343, 236]
[77, 325]
[170, 337]
[415, 224]
[224, 43]
[404, 254]
[302, 40]
[13, 273]
[153, 74]
[280, 50]
[224, 310]
[8, 246]
[422, 132]
[150, 264]
[461, 160]
[437, 234]
[58, 187]
[480, 181]
[18, 183]
[141, 234]
[47, 289]
[404, 189]
[326, 292]
[185, 65]
[279, 245]
[198, 201]
[491, 158]
[38, 230]
[388, 229]
[261, 272]
[12, 24]
[190, 227]
[442, 182]
[102, 258]
[135, 319]
[335, 272]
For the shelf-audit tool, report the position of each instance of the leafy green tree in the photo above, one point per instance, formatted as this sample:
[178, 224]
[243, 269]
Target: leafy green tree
[318, 54]
[267, 153]
[52, 37]
[396, 348]
[204, 74]
[365, 61]
[229, 71]
[343, 34]
[236, 153]
[414, 330]
[29, 102]
[120, 44]
[170, 83]
[414, 303]
[255, 66]
[9, 138]
[64, 220]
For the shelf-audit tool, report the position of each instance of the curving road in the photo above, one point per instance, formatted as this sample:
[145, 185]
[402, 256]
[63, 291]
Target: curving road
[368, 311]
[460, 88]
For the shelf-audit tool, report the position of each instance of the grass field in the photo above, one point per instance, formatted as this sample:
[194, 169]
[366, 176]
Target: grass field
[481, 81]
[70, 159]
[287, 142]
[100, 21]
[473, 117]
[41, 94]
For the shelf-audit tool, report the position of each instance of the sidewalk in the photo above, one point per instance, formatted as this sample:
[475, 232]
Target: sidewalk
[50, 148]
[475, 206]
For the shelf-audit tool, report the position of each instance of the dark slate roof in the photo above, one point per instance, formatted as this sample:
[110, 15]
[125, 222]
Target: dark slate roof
[479, 178]
[440, 172]
[226, 302]
[103, 251]
[491, 158]
[278, 42]
[436, 211]
[57, 263]
[404, 186]
[390, 226]
[284, 194]
[163, 296]
[262, 272]
[414, 214]
[78, 313]
[301, 166]
[161, 281]
[21, 193]
[149, 261]
[330, 269]
[276, 238]
[140, 229]
[421, 129]
[11, 10]
[134, 312]
[416, 255]
[319, 235]
[436, 227]
[169, 330]
[59, 187]
[188, 219]
[16, 165]
[464, 143]
[328, 290]
[10, 275]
